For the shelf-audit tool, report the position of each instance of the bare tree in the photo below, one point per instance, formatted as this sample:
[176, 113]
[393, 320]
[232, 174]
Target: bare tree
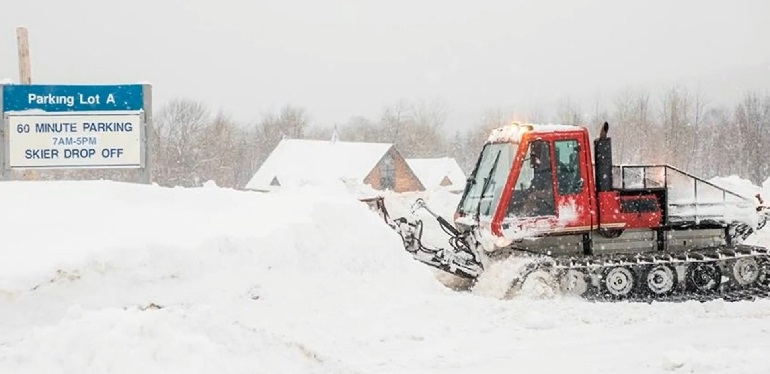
[622, 119]
[192, 147]
[599, 115]
[246, 147]
[721, 150]
[475, 137]
[752, 116]
[290, 122]
[362, 129]
[415, 128]
[219, 152]
[568, 112]
[643, 133]
[699, 150]
[394, 121]
[319, 132]
[431, 114]
[426, 137]
[178, 127]
[675, 119]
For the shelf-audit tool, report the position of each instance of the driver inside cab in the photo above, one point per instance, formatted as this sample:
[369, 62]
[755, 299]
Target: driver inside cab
[538, 197]
[541, 179]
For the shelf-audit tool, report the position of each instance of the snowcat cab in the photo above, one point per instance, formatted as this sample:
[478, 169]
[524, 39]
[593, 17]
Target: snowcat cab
[595, 229]
[531, 180]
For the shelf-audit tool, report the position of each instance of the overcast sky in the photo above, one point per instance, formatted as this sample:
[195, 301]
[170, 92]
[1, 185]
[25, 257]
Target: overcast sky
[340, 58]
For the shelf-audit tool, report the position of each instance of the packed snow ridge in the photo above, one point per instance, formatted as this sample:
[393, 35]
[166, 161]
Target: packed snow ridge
[102, 277]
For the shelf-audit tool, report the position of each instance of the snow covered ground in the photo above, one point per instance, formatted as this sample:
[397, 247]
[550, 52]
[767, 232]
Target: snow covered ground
[100, 277]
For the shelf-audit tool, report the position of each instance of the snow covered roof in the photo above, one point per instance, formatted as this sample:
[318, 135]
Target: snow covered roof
[434, 173]
[299, 162]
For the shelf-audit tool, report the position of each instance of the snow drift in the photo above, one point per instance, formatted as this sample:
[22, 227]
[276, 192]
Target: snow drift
[86, 264]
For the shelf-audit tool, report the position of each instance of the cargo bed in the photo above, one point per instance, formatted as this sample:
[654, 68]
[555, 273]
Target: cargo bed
[684, 197]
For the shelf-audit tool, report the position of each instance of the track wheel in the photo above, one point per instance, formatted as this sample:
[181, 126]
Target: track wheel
[574, 283]
[619, 281]
[539, 284]
[703, 277]
[745, 270]
[660, 279]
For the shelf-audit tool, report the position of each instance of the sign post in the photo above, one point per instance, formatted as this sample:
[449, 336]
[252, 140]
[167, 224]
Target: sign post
[76, 127]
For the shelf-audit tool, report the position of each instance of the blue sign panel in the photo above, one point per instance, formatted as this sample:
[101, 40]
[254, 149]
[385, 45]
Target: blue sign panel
[72, 98]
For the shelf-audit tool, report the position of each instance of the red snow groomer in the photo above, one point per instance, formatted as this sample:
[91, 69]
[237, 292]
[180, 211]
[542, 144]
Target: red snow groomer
[594, 229]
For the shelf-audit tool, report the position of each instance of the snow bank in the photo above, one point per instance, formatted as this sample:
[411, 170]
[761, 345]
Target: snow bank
[109, 248]
[72, 225]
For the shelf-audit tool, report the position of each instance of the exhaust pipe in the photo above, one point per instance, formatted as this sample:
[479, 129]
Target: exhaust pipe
[603, 160]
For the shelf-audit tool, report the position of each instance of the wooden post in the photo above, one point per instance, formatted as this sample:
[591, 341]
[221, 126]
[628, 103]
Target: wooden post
[25, 76]
[22, 41]
[148, 135]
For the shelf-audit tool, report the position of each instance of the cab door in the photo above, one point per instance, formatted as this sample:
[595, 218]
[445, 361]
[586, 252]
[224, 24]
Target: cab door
[571, 184]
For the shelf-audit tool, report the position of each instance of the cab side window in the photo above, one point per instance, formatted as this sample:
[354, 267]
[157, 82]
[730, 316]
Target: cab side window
[533, 193]
[568, 179]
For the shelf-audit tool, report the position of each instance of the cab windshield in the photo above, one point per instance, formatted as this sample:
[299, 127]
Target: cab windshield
[488, 179]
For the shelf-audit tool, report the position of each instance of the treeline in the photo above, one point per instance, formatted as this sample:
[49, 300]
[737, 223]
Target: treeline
[193, 145]
[685, 130]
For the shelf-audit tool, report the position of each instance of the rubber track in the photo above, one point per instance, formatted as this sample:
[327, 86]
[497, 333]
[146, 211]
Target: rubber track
[758, 290]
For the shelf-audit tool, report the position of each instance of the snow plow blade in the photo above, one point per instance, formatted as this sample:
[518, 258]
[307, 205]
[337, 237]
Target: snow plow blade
[456, 260]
